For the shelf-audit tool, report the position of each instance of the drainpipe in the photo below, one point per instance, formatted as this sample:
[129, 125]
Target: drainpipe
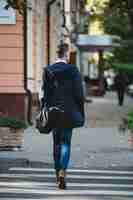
[28, 92]
[64, 18]
[50, 3]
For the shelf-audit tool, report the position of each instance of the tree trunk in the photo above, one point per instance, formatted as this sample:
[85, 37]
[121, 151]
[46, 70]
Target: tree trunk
[130, 12]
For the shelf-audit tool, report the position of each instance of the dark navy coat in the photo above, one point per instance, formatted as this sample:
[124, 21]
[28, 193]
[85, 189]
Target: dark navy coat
[68, 93]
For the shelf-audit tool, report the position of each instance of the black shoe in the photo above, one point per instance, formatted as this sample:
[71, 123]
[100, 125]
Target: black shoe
[57, 176]
[62, 183]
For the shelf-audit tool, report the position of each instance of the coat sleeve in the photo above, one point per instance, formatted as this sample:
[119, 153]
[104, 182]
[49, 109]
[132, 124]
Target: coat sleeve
[78, 91]
[43, 90]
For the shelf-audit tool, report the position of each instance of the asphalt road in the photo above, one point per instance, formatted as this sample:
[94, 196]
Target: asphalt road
[92, 184]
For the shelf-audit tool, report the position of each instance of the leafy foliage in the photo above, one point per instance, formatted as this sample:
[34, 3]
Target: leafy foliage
[118, 20]
[96, 9]
[19, 5]
[130, 120]
[12, 122]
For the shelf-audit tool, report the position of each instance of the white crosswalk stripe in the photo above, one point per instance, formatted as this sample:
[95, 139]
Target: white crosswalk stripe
[72, 170]
[39, 183]
[69, 176]
[36, 184]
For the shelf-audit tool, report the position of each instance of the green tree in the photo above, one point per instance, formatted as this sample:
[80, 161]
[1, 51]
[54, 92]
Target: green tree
[118, 20]
[124, 7]
[17, 4]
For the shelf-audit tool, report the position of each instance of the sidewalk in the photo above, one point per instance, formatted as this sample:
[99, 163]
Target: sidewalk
[105, 111]
[91, 147]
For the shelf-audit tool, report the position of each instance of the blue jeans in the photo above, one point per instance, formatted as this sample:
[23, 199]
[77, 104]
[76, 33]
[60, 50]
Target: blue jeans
[61, 147]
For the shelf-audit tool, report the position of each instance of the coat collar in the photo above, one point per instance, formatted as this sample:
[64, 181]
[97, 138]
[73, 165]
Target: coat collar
[61, 60]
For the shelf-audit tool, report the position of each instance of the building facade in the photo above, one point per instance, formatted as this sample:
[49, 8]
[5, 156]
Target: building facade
[11, 66]
[27, 44]
[23, 52]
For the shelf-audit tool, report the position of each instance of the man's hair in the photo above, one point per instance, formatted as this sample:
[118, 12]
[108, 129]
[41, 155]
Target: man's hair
[62, 50]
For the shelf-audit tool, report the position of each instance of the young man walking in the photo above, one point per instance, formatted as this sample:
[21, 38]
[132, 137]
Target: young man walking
[67, 96]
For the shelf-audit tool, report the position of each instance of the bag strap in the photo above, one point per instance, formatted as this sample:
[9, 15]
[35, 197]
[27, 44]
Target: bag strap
[43, 113]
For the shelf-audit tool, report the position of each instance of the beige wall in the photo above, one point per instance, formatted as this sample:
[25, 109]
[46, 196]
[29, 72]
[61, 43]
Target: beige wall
[55, 30]
[41, 41]
[37, 44]
[11, 57]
